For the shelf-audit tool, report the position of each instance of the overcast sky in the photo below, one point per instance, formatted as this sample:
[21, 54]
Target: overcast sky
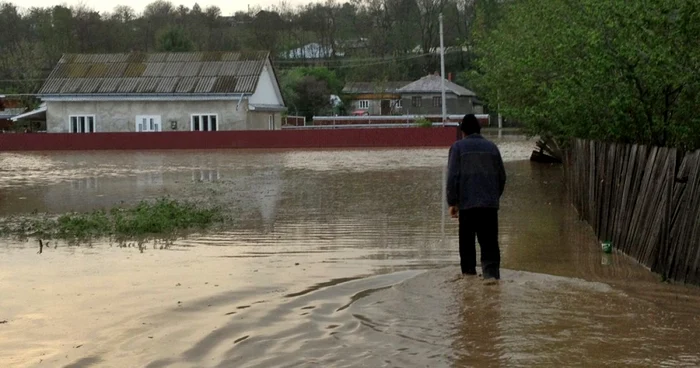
[228, 7]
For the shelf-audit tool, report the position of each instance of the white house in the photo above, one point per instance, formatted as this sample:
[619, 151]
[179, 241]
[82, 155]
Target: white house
[146, 92]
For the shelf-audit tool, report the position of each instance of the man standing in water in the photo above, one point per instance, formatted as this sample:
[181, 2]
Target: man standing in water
[476, 179]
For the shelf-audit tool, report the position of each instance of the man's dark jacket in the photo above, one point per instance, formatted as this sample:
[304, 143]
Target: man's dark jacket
[476, 177]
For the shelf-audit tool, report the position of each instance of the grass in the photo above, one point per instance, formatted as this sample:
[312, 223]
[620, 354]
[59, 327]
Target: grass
[163, 216]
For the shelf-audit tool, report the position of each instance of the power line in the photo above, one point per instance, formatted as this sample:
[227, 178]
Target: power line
[368, 59]
[348, 64]
[356, 65]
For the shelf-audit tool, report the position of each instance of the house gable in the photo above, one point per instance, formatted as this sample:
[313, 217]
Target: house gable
[267, 92]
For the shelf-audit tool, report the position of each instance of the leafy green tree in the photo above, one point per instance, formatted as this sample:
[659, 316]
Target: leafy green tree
[174, 40]
[313, 96]
[302, 87]
[599, 69]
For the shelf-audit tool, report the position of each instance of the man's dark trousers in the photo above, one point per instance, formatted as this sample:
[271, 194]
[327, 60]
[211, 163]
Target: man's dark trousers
[481, 223]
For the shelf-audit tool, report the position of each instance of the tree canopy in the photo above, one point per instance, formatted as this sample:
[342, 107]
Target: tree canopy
[614, 70]
[366, 39]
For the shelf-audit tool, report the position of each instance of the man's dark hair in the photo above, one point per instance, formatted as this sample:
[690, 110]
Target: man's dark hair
[470, 125]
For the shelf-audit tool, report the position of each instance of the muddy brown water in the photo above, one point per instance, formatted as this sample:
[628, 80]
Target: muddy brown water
[336, 259]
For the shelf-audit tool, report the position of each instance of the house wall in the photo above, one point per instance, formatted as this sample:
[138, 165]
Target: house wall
[375, 107]
[259, 120]
[120, 116]
[455, 105]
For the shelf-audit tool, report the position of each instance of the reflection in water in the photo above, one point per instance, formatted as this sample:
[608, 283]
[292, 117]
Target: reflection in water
[206, 175]
[478, 341]
[337, 259]
[85, 184]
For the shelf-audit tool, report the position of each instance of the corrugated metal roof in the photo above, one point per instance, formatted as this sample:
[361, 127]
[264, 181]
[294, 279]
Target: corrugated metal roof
[153, 69]
[210, 68]
[91, 85]
[225, 85]
[160, 57]
[166, 85]
[72, 85]
[245, 83]
[205, 85]
[373, 87]
[433, 84]
[128, 85]
[190, 69]
[163, 73]
[186, 85]
[147, 85]
[53, 85]
[109, 85]
[115, 70]
[11, 112]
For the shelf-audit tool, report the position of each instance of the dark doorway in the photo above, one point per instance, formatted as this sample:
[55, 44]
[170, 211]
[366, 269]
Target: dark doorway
[386, 107]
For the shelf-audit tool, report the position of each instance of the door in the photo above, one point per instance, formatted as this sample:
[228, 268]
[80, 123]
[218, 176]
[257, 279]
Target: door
[148, 123]
[386, 107]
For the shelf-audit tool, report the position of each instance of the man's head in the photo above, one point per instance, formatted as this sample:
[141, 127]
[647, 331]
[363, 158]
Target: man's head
[470, 125]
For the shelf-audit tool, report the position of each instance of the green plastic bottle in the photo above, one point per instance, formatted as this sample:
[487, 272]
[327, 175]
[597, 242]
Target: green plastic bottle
[607, 247]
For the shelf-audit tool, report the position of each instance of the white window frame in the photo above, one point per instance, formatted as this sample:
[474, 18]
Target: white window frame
[199, 116]
[363, 104]
[417, 101]
[271, 122]
[437, 101]
[158, 125]
[86, 117]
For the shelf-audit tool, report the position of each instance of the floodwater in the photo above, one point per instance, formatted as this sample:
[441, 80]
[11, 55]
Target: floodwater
[336, 259]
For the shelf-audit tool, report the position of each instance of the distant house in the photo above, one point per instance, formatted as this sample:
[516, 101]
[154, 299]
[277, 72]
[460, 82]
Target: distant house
[424, 97]
[311, 51]
[8, 110]
[142, 92]
[374, 98]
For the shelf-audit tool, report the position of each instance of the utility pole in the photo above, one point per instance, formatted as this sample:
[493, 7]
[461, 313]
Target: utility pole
[442, 72]
[500, 120]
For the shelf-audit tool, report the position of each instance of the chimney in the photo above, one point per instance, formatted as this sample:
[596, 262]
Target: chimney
[449, 77]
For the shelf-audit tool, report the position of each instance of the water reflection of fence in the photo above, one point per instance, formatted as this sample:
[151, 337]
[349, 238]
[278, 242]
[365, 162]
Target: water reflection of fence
[646, 200]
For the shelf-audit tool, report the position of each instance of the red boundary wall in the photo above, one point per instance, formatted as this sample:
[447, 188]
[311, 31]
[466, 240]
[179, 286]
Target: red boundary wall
[337, 138]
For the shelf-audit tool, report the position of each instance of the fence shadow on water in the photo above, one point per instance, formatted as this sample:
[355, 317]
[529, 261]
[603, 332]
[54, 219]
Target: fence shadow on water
[645, 200]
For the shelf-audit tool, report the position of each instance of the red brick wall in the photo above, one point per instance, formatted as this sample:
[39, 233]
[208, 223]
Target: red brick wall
[337, 138]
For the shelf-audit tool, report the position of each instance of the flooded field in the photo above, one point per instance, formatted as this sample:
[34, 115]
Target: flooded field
[336, 259]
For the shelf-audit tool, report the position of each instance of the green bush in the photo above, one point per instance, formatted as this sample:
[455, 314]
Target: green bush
[424, 123]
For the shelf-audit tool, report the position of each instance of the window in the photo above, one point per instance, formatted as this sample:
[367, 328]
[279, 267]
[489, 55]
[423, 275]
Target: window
[437, 101]
[398, 104]
[271, 122]
[416, 101]
[82, 124]
[363, 104]
[148, 123]
[205, 122]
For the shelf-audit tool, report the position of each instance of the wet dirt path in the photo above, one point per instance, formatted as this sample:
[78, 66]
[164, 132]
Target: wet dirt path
[339, 258]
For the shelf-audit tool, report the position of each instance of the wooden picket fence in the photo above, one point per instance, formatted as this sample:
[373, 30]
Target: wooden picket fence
[645, 200]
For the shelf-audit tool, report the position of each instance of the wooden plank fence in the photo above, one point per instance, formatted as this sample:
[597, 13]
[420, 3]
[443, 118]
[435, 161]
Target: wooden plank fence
[645, 200]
